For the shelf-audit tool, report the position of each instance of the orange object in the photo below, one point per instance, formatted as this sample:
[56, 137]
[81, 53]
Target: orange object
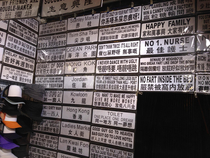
[9, 121]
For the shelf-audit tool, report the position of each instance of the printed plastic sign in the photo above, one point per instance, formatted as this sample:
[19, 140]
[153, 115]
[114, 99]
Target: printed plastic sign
[1, 53]
[168, 83]
[16, 75]
[203, 42]
[52, 111]
[175, 45]
[202, 83]
[128, 65]
[82, 22]
[38, 152]
[118, 49]
[80, 67]
[77, 97]
[74, 146]
[168, 27]
[56, 68]
[18, 60]
[53, 96]
[81, 52]
[79, 82]
[119, 32]
[61, 155]
[31, 23]
[203, 5]
[121, 16]
[116, 83]
[115, 100]
[79, 37]
[55, 54]
[111, 136]
[203, 62]
[203, 23]
[4, 24]
[2, 38]
[114, 118]
[167, 9]
[75, 130]
[76, 113]
[50, 82]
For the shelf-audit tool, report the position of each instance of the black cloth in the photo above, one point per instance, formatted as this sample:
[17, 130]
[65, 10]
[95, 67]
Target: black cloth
[34, 91]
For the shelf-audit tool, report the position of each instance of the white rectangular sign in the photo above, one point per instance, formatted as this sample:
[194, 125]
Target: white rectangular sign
[128, 65]
[18, 60]
[61, 155]
[119, 32]
[118, 49]
[4, 24]
[203, 62]
[203, 42]
[83, 22]
[11, 9]
[175, 45]
[121, 16]
[76, 113]
[2, 37]
[74, 146]
[52, 111]
[168, 64]
[81, 52]
[50, 82]
[79, 37]
[75, 130]
[53, 27]
[173, 83]
[22, 32]
[115, 100]
[58, 40]
[20, 46]
[116, 83]
[167, 9]
[202, 83]
[55, 68]
[16, 75]
[78, 97]
[171, 27]
[48, 126]
[53, 96]
[55, 54]
[114, 118]
[44, 140]
[39, 152]
[31, 23]
[111, 136]
[79, 82]
[102, 151]
[203, 5]
[203, 23]
[1, 53]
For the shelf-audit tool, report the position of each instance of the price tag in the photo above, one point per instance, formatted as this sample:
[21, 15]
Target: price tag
[55, 54]
[202, 83]
[50, 82]
[203, 23]
[4, 24]
[1, 53]
[53, 96]
[31, 23]
[203, 43]
[2, 38]
[56, 68]
[203, 62]
[38, 152]
[203, 5]
[61, 155]
[79, 82]
[52, 111]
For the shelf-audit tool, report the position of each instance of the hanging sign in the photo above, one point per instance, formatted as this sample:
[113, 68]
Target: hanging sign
[203, 62]
[74, 146]
[79, 82]
[22, 32]
[121, 16]
[118, 49]
[4, 24]
[76, 113]
[2, 37]
[203, 5]
[48, 126]
[77, 97]
[119, 32]
[31, 23]
[173, 83]
[102, 151]
[44, 140]
[81, 52]
[20, 46]
[128, 65]
[75, 130]
[115, 100]
[50, 82]
[114, 118]
[83, 22]
[1, 53]
[52, 111]
[117, 83]
[56, 68]
[16, 75]
[167, 9]
[53, 96]
[203, 42]
[202, 83]
[111, 136]
[55, 54]
[38, 152]
[175, 45]
[168, 64]
[18, 60]
[61, 155]
[168, 27]
[79, 37]
[203, 23]
[58, 40]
